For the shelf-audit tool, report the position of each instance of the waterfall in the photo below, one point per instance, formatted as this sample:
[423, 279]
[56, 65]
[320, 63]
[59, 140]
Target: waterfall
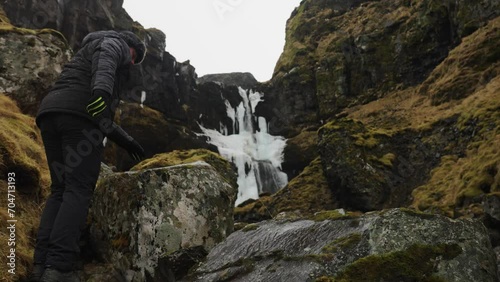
[257, 154]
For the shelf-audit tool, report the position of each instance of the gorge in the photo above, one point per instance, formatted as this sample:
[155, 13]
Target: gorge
[371, 155]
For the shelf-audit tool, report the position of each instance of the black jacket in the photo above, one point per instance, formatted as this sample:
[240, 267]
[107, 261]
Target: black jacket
[103, 58]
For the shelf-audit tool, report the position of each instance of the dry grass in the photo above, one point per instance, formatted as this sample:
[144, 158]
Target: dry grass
[22, 153]
[448, 90]
[456, 180]
[466, 85]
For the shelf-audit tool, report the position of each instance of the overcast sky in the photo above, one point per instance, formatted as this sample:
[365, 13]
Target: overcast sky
[219, 36]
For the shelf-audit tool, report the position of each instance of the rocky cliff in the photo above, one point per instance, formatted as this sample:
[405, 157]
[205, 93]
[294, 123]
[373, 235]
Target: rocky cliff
[400, 100]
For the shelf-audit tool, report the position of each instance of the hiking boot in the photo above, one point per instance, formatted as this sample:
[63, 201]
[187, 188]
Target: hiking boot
[54, 275]
[37, 272]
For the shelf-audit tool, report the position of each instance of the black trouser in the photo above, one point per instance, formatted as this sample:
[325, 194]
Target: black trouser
[73, 146]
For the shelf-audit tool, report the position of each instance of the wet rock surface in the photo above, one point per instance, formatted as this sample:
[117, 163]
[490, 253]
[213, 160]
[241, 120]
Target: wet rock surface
[138, 217]
[392, 245]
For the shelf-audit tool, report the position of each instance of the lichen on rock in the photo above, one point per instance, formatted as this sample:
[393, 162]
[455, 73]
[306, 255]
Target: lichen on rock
[392, 245]
[138, 217]
[31, 61]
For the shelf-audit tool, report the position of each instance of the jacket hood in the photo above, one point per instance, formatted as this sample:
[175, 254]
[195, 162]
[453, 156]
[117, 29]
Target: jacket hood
[100, 34]
[129, 38]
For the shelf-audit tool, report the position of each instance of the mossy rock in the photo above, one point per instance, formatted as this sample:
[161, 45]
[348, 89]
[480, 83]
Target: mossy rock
[350, 154]
[300, 150]
[303, 196]
[7, 27]
[416, 263]
[4, 20]
[177, 157]
[393, 245]
[467, 68]
[354, 52]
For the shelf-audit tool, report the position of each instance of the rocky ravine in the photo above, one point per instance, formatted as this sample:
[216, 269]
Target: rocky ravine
[385, 105]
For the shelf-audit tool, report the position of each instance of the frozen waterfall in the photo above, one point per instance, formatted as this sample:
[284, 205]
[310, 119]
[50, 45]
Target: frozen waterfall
[257, 154]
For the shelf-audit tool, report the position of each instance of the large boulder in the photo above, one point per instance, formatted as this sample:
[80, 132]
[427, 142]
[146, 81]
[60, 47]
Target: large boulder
[393, 245]
[138, 217]
[368, 168]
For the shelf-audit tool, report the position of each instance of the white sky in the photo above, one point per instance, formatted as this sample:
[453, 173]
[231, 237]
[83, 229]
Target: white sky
[219, 36]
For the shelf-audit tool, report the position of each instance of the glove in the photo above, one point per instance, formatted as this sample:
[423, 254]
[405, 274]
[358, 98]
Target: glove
[122, 139]
[98, 104]
[135, 150]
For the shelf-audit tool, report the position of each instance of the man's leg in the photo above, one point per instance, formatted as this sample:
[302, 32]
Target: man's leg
[53, 149]
[82, 158]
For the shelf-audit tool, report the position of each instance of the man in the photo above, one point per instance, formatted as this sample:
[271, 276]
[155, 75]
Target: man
[73, 119]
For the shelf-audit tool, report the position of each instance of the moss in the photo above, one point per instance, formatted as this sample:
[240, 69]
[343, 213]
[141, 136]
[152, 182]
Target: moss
[256, 210]
[21, 147]
[387, 159]
[416, 263]
[302, 196]
[308, 192]
[467, 67]
[151, 120]
[342, 243]
[334, 215]
[456, 180]
[325, 279]
[371, 137]
[21, 152]
[4, 20]
[417, 213]
[250, 227]
[189, 156]
[8, 28]
[120, 242]
[364, 140]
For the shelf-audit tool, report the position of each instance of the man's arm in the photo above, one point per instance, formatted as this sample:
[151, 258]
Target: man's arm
[122, 139]
[105, 60]
[107, 57]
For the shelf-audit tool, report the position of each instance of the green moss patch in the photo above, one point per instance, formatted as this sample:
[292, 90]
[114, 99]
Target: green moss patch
[304, 195]
[4, 20]
[250, 227]
[342, 243]
[387, 159]
[334, 215]
[177, 157]
[21, 152]
[417, 263]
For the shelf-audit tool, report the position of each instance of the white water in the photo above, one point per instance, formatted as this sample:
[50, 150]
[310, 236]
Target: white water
[257, 154]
